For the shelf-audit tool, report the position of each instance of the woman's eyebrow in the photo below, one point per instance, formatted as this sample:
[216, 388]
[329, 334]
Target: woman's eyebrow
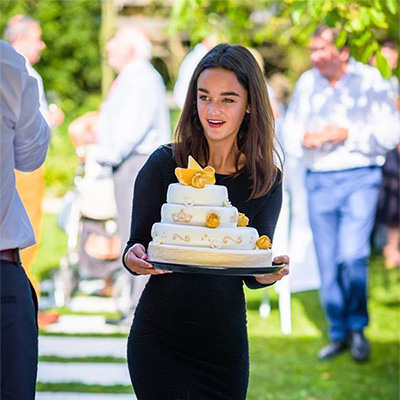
[222, 94]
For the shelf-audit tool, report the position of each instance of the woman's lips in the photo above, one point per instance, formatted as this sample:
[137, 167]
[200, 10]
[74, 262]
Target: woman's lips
[215, 123]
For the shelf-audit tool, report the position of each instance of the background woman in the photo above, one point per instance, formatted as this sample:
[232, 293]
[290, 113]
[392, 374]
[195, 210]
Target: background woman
[189, 337]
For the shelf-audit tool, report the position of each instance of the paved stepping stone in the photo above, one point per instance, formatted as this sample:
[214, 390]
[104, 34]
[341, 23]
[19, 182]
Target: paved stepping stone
[84, 324]
[87, 373]
[83, 396]
[93, 304]
[68, 347]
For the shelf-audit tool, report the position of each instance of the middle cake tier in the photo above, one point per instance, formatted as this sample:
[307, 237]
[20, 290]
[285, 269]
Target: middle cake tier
[197, 215]
[242, 238]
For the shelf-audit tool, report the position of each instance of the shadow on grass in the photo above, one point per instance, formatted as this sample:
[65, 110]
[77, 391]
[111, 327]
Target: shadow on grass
[311, 304]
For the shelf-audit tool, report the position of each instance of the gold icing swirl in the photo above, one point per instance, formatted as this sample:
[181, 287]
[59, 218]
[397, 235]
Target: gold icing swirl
[184, 239]
[238, 240]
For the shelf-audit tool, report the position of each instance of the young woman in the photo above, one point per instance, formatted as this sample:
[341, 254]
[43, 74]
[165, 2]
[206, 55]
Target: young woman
[189, 339]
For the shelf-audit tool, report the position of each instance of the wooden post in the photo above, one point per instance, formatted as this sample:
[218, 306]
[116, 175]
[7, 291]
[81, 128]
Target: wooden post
[108, 15]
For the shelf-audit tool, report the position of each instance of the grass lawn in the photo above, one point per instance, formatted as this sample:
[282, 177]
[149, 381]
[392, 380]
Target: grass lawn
[285, 367]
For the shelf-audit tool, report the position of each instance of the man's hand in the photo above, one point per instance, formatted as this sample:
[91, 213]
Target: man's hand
[329, 134]
[335, 134]
[83, 130]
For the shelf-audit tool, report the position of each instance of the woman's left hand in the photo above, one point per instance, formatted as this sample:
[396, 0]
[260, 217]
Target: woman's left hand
[276, 276]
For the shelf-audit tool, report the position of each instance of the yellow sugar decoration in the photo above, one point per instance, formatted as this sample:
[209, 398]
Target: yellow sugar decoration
[212, 220]
[186, 176]
[199, 180]
[193, 164]
[264, 242]
[242, 220]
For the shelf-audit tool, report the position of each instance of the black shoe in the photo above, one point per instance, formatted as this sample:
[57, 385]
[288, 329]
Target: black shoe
[332, 350]
[360, 349]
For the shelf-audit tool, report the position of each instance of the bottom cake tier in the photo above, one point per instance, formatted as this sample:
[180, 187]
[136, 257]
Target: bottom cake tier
[209, 257]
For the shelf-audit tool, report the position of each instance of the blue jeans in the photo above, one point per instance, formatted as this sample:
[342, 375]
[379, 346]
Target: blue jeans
[342, 206]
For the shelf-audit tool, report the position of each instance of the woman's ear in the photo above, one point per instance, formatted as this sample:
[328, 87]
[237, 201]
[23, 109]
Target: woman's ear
[248, 109]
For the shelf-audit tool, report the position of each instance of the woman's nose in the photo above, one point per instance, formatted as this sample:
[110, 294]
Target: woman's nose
[214, 109]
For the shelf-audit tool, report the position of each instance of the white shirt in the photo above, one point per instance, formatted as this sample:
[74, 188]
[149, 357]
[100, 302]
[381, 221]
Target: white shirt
[134, 116]
[360, 102]
[185, 73]
[24, 138]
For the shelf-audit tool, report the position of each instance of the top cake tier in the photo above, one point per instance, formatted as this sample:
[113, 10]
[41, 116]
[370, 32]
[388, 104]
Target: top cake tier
[210, 195]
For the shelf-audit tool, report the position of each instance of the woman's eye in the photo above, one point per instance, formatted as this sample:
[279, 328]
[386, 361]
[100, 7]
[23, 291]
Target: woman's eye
[203, 98]
[229, 101]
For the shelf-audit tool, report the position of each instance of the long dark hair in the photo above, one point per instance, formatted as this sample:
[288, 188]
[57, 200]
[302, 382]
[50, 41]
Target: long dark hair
[256, 133]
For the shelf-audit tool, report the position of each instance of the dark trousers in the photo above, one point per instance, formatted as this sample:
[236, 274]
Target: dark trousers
[19, 334]
[342, 208]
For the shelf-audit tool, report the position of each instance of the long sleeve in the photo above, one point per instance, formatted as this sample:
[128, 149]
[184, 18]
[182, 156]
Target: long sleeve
[25, 139]
[32, 134]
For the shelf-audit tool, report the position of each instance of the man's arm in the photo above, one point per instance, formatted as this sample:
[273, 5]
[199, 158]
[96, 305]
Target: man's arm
[32, 134]
[329, 134]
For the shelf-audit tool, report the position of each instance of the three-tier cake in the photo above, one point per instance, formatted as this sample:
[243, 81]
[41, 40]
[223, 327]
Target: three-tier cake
[199, 226]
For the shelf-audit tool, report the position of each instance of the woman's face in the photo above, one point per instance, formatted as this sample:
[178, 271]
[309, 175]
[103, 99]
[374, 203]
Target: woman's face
[221, 105]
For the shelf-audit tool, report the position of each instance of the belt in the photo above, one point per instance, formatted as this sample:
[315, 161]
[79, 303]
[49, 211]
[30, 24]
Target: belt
[11, 255]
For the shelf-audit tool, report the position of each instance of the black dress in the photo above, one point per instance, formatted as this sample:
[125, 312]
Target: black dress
[188, 340]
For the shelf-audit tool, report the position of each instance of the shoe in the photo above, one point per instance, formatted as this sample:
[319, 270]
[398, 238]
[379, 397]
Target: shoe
[332, 350]
[360, 349]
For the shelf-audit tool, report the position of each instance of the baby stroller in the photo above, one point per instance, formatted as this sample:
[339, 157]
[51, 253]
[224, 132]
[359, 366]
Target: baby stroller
[92, 263]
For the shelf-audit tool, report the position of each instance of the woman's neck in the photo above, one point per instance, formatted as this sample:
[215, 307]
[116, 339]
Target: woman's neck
[222, 158]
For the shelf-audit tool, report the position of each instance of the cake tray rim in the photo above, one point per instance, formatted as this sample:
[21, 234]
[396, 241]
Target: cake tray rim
[216, 270]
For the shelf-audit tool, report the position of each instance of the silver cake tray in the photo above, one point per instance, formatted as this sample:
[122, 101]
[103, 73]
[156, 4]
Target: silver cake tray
[201, 269]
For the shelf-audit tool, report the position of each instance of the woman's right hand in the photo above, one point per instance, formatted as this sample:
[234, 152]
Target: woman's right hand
[135, 259]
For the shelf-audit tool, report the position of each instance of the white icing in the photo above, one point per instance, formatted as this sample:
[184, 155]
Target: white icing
[209, 257]
[210, 195]
[179, 214]
[182, 236]
[243, 238]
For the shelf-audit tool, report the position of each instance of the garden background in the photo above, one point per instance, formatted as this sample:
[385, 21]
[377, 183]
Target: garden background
[76, 79]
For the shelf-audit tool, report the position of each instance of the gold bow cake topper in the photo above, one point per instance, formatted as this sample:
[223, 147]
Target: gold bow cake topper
[194, 175]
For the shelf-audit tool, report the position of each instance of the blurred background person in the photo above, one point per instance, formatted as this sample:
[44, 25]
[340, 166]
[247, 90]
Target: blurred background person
[388, 215]
[342, 121]
[188, 66]
[132, 122]
[391, 52]
[25, 35]
[25, 138]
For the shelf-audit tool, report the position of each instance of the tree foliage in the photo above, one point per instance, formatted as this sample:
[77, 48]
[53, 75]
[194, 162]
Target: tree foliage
[71, 63]
[288, 24]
